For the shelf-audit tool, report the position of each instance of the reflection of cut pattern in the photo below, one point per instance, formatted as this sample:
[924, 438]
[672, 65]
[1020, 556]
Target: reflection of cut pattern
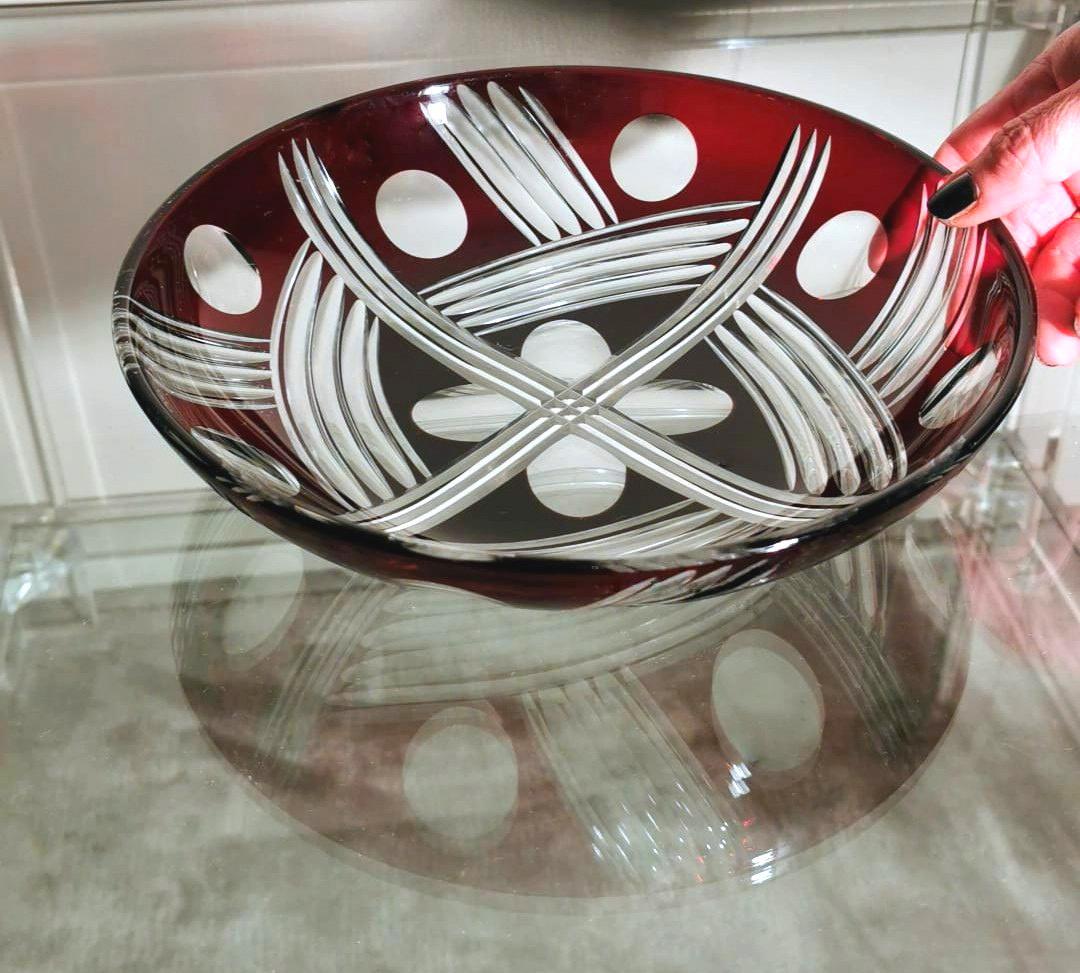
[473, 657]
[650, 813]
[575, 433]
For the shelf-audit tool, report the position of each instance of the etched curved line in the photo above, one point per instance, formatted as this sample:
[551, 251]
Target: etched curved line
[478, 176]
[588, 294]
[306, 307]
[915, 256]
[927, 318]
[371, 281]
[834, 388]
[741, 272]
[959, 389]
[619, 527]
[613, 234]
[352, 350]
[856, 427]
[563, 309]
[960, 316]
[909, 298]
[728, 533]
[459, 485]
[543, 117]
[324, 390]
[910, 374]
[663, 460]
[803, 331]
[251, 466]
[531, 137]
[615, 540]
[280, 327]
[926, 332]
[832, 436]
[833, 385]
[582, 273]
[205, 367]
[813, 466]
[490, 163]
[765, 407]
[673, 542]
[636, 541]
[520, 164]
[207, 335]
[199, 351]
[185, 385]
[383, 413]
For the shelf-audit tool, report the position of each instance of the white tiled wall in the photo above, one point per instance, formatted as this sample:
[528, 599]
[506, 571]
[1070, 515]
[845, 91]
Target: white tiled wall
[105, 109]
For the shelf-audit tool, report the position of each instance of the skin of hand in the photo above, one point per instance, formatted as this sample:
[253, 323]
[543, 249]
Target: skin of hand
[1018, 157]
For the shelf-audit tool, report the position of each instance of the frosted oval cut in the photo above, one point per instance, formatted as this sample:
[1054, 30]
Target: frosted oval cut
[577, 478]
[843, 255]
[248, 465]
[654, 157]
[566, 349]
[421, 213]
[766, 701]
[220, 270]
[959, 389]
[460, 778]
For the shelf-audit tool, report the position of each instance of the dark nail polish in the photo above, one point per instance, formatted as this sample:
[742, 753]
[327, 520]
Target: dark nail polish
[957, 195]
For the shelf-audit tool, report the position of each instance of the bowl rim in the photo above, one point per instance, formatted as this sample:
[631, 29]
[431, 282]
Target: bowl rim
[871, 509]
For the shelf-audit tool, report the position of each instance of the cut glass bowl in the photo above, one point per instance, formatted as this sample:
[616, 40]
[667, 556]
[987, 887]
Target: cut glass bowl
[572, 335]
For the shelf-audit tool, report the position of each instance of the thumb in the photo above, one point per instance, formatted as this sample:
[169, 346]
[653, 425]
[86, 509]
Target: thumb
[1037, 149]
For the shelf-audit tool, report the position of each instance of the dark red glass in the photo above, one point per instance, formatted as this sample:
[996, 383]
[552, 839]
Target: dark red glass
[562, 335]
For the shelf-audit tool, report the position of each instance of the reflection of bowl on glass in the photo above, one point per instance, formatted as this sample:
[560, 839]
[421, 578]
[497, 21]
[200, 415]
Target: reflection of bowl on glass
[584, 753]
[572, 334]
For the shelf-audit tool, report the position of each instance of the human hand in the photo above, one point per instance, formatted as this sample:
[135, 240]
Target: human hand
[1018, 158]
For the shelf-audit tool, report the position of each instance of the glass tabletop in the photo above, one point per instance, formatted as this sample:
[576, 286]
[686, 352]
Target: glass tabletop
[221, 753]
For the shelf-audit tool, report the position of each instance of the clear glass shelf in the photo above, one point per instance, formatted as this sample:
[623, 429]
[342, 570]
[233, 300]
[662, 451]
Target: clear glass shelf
[221, 753]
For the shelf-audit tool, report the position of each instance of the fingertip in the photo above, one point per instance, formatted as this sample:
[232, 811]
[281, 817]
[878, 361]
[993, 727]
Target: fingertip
[1057, 346]
[955, 200]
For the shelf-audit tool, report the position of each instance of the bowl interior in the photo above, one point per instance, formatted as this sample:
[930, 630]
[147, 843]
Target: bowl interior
[574, 313]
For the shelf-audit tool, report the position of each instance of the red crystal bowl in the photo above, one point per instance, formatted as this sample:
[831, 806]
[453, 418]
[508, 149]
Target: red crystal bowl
[572, 335]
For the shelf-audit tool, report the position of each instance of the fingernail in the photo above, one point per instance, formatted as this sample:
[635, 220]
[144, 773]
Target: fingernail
[952, 199]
